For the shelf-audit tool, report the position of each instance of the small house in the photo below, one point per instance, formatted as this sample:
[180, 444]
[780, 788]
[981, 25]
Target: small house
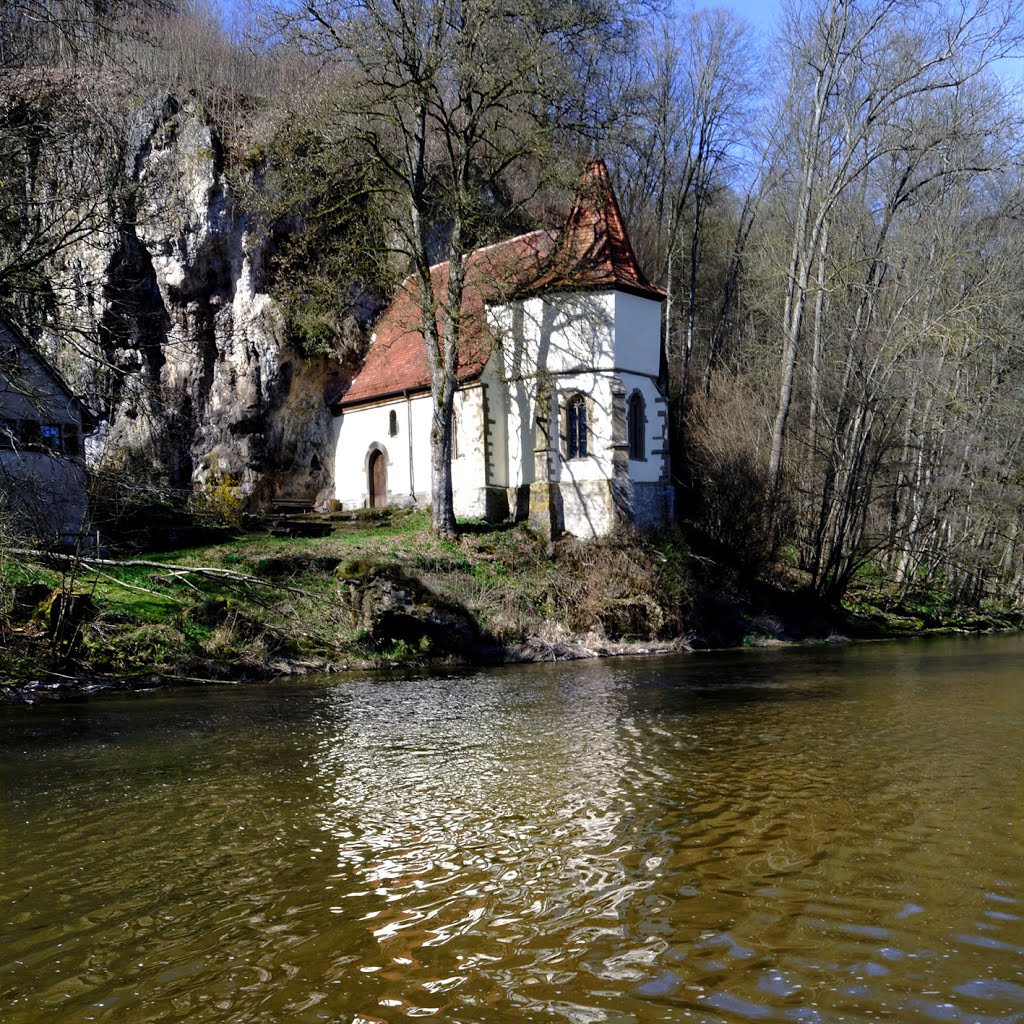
[559, 417]
[43, 492]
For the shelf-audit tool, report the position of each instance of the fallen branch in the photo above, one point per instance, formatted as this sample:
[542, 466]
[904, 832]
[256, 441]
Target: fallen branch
[208, 571]
[135, 586]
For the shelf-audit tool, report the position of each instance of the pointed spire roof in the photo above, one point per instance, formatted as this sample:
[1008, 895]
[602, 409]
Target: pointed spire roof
[594, 250]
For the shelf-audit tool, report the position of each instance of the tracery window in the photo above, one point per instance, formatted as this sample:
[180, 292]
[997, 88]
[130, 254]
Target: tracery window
[576, 427]
[636, 419]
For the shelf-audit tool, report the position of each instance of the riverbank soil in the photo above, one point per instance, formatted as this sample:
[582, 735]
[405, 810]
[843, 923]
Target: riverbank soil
[378, 589]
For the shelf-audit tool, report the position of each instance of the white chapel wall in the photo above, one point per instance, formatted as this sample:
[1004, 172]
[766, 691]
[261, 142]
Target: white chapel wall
[581, 340]
[594, 344]
[637, 344]
[360, 430]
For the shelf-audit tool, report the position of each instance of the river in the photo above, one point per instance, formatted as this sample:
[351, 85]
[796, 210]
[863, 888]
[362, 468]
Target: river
[810, 835]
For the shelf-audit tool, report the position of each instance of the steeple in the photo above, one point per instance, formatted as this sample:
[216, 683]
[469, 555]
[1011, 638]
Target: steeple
[594, 249]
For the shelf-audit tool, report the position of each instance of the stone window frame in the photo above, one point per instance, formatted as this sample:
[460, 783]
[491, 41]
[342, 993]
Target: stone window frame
[636, 425]
[375, 446]
[393, 423]
[576, 402]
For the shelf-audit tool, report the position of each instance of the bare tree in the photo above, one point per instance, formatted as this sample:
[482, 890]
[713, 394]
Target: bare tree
[451, 101]
[858, 75]
[682, 152]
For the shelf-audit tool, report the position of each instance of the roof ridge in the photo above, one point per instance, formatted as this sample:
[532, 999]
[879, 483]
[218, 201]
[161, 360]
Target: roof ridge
[484, 248]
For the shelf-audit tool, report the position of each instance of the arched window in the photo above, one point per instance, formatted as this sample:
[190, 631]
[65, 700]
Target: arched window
[636, 420]
[393, 423]
[455, 434]
[576, 427]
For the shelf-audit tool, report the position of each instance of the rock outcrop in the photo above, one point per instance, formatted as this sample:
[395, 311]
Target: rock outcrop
[191, 370]
[391, 609]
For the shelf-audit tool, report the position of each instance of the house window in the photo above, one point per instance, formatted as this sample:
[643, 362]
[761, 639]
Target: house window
[49, 436]
[393, 423]
[29, 432]
[8, 434]
[72, 443]
[576, 427]
[636, 420]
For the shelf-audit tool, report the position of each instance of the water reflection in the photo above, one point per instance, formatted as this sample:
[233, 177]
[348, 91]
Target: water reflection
[474, 851]
[811, 836]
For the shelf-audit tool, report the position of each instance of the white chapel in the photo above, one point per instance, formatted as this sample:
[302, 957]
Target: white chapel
[559, 417]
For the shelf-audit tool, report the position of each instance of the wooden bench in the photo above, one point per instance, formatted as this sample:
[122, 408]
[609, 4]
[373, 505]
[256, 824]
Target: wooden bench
[291, 506]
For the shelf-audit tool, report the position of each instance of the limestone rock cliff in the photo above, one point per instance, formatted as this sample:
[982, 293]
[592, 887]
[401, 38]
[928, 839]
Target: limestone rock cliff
[189, 366]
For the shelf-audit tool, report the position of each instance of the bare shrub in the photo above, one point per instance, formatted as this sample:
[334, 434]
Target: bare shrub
[733, 504]
[613, 588]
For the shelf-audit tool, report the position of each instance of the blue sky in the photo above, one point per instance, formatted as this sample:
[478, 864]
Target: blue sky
[760, 13]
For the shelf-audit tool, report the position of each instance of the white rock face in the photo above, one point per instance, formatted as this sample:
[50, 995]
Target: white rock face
[198, 383]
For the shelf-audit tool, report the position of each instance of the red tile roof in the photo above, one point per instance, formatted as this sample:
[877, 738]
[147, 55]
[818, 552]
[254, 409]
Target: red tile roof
[593, 252]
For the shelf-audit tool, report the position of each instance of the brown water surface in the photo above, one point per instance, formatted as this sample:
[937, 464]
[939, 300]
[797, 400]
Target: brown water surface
[814, 836]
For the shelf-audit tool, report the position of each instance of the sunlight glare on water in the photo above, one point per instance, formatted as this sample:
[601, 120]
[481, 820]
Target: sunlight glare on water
[811, 836]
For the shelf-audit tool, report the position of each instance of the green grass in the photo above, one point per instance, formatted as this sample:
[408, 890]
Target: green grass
[17, 573]
[505, 580]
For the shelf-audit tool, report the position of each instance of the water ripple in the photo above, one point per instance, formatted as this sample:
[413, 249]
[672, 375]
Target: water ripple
[820, 837]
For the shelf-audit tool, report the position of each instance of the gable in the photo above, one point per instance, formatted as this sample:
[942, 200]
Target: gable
[29, 387]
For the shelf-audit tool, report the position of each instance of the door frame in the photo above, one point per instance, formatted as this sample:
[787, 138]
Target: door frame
[375, 454]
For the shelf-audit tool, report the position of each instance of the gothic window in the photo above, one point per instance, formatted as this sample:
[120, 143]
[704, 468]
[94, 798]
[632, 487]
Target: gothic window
[636, 420]
[393, 423]
[576, 427]
[455, 435]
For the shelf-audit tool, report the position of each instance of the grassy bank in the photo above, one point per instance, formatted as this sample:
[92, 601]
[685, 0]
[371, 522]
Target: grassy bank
[381, 590]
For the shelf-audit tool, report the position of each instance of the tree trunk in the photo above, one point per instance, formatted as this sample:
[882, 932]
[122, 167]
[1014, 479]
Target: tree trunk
[441, 494]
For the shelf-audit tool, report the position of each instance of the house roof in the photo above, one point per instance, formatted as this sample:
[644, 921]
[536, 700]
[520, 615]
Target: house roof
[592, 253]
[22, 341]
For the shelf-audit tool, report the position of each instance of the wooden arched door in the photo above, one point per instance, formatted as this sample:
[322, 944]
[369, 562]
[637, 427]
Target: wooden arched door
[377, 474]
